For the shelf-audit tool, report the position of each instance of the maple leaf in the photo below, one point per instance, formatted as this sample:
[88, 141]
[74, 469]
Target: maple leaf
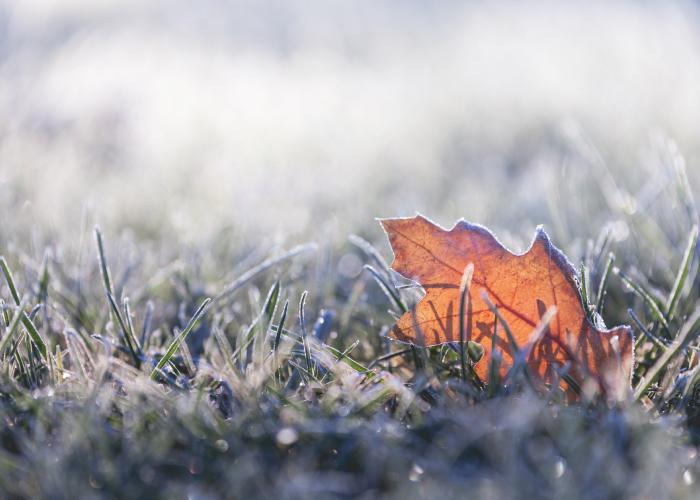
[523, 287]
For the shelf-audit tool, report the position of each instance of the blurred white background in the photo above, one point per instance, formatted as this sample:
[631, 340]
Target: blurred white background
[282, 117]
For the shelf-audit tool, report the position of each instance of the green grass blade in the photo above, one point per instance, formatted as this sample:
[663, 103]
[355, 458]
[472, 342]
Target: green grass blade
[44, 273]
[388, 289]
[267, 313]
[32, 367]
[33, 332]
[520, 361]
[585, 293]
[104, 270]
[347, 360]
[603, 288]
[5, 313]
[340, 358]
[10, 280]
[17, 344]
[109, 291]
[225, 347]
[307, 375]
[13, 324]
[178, 340]
[682, 275]
[509, 334]
[495, 367]
[35, 311]
[389, 356]
[645, 333]
[145, 329]
[271, 303]
[350, 362]
[370, 251]
[249, 275]
[302, 320]
[686, 334]
[393, 295]
[130, 326]
[649, 301]
[122, 326]
[463, 294]
[280, 327]
[278, 337]
[74, 355]
[494, 372]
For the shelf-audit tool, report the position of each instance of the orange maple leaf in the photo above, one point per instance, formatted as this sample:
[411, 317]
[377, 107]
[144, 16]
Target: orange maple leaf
[523, 287]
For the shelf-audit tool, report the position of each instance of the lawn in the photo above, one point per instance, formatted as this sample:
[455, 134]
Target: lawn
[196, 292]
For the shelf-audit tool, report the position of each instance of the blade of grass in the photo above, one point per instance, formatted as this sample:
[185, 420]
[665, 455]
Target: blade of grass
[176, 343]
[682, 275]
[308, 376]
[104, 270]
[108, 348]
[684, 187]
[393, 295]
[189, 362]
[14, 323]
[690, 383]
[389, 290]
[603, 288]
[340, 358]
[225, 347]
[267, 313]
[5, 313]
[32, 367]
[74, 356]
[463, 294]
[33, 332]
[509, 334]
[585, 293]
[387, 357]
[130, 326]
[495, 368]
[10, 281]
[601, 247]
[146, 323]
[17, 344]
[109, 291]
[350, 362]
[649, 301]
[271, 303]
[44, 273]
[280, 326]
[302, 320]
[370, 251]
[35, 311]
[689, 327]
[249, 275]
[116, 315]
[59, 363]
[278, 338]
[347, 360]
[494, 372]
[520, 361]
[646, 333]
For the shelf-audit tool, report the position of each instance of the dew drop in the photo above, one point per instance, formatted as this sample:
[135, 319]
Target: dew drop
[688, 477]
[287, 436]
[222, 445]
[96, 482]
[415, 473]
[559, 467]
